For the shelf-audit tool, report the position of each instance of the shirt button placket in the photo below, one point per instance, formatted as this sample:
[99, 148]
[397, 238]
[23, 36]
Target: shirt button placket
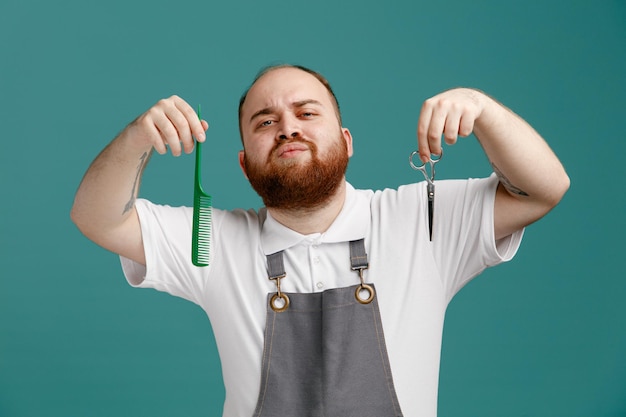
[316, 261]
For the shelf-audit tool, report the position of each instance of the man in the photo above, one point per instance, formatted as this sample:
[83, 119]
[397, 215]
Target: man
[329, 301]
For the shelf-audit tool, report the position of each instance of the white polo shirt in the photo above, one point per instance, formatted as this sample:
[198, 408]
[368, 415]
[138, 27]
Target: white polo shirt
[414, 277]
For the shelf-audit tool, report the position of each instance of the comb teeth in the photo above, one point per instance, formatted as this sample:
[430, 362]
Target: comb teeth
[202, 230]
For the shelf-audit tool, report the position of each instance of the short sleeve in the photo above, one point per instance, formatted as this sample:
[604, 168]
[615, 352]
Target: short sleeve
[464, 230]
[166, 234]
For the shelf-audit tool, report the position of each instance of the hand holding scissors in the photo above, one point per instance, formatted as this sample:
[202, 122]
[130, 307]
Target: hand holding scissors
[450, 114]
[430, 187]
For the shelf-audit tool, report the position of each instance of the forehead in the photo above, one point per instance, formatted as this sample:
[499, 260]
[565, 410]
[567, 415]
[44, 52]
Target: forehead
[284, 86]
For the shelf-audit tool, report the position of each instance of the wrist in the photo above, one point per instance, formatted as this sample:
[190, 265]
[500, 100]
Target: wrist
[134, 142]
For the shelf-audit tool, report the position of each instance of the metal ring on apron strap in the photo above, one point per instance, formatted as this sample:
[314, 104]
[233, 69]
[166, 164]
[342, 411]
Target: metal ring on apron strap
[279, 296]
[364, 287]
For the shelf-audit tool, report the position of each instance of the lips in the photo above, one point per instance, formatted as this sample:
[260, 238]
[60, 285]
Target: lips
[289, 148]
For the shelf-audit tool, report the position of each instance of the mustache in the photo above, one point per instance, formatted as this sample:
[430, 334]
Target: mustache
[285, 144]
[297, 139]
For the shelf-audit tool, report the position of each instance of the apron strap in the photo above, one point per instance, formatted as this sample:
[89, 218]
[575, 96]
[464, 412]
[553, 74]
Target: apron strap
[358, 259]
[358, 256]
[276, 266]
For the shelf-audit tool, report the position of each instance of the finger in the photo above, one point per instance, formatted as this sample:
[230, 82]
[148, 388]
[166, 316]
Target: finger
[183, 118]
[196, 127]
[205, 125]
[422, 131]
[168, 131]
[153, 132]
[451, 129]
[466, 125]
[436, 128]
[183, 132]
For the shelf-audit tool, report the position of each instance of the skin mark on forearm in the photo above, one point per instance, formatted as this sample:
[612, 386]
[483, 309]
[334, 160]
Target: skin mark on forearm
[133, 194]
[507, 183]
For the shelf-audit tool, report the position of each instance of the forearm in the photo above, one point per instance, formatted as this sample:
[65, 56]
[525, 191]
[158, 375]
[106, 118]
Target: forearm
[105, 198]
[525, 164]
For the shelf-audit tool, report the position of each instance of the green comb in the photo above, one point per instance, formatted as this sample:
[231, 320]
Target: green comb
[201, 233]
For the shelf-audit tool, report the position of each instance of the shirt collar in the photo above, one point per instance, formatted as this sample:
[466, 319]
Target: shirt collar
[352, 223]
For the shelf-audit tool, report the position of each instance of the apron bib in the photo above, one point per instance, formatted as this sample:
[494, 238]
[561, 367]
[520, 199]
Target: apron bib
[324, 353]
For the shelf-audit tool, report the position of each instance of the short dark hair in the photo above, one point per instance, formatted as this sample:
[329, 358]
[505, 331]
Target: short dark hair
[271, 68]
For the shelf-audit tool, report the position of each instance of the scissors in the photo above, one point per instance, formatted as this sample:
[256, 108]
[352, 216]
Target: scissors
[430, 187]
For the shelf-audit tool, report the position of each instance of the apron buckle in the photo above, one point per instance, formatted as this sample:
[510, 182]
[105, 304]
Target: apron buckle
[277, 307]
[284, 304]
[364, 288]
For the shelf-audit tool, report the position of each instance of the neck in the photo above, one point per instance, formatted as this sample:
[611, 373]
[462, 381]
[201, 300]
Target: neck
[312, 220]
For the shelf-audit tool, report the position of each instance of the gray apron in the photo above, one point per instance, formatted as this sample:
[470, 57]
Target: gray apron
[324, 353]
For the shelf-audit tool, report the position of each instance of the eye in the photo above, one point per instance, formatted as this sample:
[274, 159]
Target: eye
[307, 114]
[265, 123]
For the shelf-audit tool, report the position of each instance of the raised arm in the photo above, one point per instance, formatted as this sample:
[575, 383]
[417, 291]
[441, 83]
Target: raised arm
[104, 208]
[532, 180]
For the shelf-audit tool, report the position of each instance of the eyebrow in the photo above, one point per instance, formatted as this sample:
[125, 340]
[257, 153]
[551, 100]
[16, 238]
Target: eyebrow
[296, 104]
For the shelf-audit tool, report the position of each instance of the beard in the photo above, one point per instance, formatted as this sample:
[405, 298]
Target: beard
[293, 185]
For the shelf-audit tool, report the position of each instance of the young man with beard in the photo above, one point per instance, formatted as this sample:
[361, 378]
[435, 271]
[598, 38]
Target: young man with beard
[329, 301]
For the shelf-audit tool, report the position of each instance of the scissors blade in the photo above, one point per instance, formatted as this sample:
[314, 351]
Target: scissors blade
[431, 208]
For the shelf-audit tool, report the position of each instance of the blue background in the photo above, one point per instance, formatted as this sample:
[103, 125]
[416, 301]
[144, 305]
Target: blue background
[544, 335]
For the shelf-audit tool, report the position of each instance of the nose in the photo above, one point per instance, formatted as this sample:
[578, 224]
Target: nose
[293, 135]
[289, 129]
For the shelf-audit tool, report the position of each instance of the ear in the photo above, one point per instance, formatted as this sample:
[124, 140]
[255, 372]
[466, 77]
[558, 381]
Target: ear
[242, 165]
[347, 136]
